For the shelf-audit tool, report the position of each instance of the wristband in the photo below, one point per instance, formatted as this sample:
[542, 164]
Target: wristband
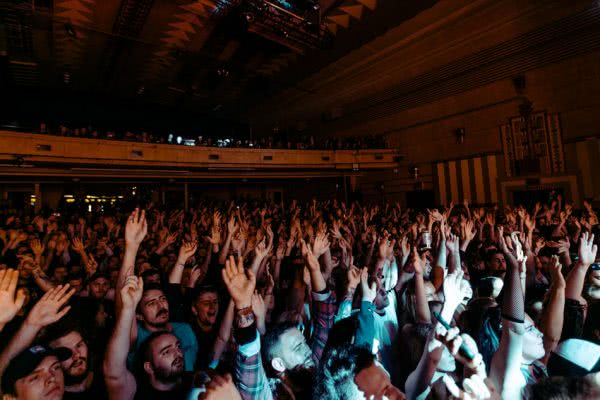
[244, 317]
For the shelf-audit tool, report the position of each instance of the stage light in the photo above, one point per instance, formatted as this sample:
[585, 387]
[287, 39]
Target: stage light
[179, 139]
[170, 138]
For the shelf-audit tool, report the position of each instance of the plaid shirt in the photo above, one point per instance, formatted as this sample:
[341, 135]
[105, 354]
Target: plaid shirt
[250, 376]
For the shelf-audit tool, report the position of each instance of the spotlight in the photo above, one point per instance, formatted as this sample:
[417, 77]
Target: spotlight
[170, 138]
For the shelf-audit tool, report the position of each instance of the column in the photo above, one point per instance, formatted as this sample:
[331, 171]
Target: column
[185, 197]
[38, 197]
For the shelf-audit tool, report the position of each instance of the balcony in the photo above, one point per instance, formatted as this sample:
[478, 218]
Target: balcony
[28, 154]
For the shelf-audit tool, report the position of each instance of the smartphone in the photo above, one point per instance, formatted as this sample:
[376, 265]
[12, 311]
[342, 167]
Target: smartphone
[464, 350]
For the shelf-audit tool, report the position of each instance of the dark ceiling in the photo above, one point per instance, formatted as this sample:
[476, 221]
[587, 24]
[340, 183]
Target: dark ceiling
[211, 58]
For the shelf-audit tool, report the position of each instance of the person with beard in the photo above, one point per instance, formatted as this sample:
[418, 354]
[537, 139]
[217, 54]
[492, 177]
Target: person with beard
[152, 317]
[160, 365]
[83, 379]
[286, 352]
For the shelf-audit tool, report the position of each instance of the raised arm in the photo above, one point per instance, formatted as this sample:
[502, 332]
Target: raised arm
[46, 311]
[186, 250]
[9, 304]
[551, 323]
[423, 313]
[135, 232]
[418, 382]
[505, 369]
[576, 277]
[120, 382]
[250, 376]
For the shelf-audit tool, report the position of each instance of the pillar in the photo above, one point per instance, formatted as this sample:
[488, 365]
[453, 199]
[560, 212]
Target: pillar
[38, 197]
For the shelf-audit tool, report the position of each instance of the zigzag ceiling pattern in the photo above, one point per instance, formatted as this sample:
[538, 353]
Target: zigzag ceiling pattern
[70, 50]
[339, 17]
[186, 23]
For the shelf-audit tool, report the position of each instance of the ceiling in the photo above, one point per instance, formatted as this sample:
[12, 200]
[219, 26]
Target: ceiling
[201, 57]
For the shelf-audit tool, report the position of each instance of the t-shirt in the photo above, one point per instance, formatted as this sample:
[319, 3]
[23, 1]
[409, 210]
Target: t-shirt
[147, 392]
[183, 332]
[206, 342]
[97, 391]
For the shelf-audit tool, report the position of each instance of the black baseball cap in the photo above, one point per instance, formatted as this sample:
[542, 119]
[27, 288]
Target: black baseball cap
[27, 361]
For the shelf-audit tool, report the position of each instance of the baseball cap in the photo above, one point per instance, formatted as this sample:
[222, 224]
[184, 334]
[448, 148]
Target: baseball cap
[27, 361]
[574, 357]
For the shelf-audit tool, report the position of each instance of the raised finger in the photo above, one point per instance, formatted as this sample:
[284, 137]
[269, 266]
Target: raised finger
[4, 282]
[14, 279]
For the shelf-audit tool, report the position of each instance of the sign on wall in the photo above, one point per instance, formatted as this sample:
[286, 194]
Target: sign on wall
[533, 145]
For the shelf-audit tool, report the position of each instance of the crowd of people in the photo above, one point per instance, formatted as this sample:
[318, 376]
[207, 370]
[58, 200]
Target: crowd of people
[323, 300]
[279, 141]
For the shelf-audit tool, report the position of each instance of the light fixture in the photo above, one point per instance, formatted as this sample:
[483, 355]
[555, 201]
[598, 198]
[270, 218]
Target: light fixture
[414, 172]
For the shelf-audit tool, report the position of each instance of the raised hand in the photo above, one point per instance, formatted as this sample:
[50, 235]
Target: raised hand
[131, 292]
[186, 250]
[77, 245]
[562, 245]
[435, 215]
[455, 289]
[262, 249]
[321, 244]
[558, 280]
[311, 259]
[220, 387]
[37, 247]
[232, 227]
[195, 274]
[369, 292]
[260, 310]
[240, 283]
[136, 228]
[386, 247]
[405, 246]
[452, 243]
[215, 235]
[415, 264]
[49, 308]
[469, 231]
[353, 274]
[9, 305]
[91, 266]
[587, 249]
